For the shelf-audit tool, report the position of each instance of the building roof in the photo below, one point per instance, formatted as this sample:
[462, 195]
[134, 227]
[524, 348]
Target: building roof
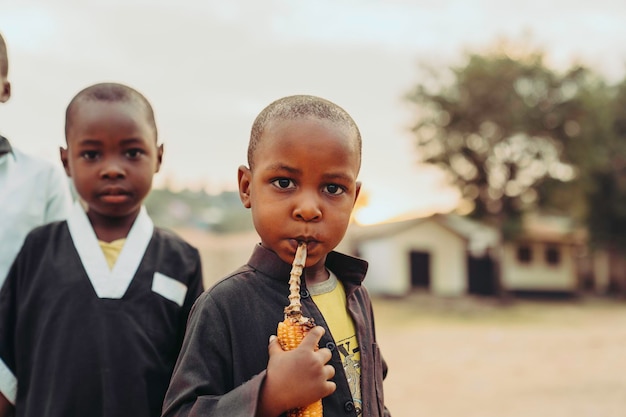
[552, 229]
[479, 237]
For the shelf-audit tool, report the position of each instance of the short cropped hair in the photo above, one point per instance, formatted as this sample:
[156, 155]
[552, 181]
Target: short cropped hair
[4, 57]
[300, 107]
[113, 93]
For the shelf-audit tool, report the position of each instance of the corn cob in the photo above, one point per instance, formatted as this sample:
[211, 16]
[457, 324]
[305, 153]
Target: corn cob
[292, 330]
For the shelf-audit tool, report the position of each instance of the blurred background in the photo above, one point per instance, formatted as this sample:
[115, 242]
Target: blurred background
[493, 208]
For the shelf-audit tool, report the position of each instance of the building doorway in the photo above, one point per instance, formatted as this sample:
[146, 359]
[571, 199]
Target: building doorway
[420, 270]
[481, 275]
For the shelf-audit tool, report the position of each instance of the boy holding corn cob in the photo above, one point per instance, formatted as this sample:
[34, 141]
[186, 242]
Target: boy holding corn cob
[301, 185]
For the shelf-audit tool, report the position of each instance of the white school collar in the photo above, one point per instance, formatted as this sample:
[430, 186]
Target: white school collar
[109, 283]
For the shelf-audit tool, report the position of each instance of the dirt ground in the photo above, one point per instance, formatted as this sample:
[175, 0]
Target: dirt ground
[477, 358]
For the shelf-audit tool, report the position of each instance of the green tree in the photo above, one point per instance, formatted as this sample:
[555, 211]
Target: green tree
[607, 191]
[502, 128]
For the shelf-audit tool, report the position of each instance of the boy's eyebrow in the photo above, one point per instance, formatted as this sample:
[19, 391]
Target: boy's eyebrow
[89, 142]
[331, 176]
[279, 166]
[131, 141]
[94, 142]
[337, 176]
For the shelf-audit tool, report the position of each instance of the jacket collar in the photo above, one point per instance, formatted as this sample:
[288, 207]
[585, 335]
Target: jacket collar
[348, 269]
[106, 282]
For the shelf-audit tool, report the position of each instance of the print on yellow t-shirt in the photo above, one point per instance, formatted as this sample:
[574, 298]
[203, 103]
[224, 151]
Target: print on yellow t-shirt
[330, 298]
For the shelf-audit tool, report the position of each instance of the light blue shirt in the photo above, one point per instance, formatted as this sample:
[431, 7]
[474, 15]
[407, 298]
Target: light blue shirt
[33, 192]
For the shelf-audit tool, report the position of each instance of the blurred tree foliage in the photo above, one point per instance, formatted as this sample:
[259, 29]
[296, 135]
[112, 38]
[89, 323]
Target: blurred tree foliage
[514, 135]
[607, 194]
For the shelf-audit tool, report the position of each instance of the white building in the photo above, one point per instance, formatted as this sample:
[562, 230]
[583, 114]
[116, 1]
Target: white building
[544, 257]
[450, 255]
[436, 253]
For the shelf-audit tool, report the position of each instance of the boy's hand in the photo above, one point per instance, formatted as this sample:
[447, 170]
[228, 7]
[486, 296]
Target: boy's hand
[296, 378]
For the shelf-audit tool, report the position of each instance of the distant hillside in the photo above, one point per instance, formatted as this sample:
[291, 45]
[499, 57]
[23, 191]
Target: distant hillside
[221, 213]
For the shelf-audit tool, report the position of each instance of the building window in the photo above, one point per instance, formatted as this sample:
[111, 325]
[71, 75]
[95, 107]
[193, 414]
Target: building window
[524, 254]
[553, 255]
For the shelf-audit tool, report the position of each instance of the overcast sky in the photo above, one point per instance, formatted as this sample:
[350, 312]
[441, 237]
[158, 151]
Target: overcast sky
[209, 67]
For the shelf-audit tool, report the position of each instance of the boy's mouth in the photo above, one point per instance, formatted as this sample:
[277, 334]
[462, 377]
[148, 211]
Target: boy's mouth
[115, 198]
[114, 195]
[310, 242]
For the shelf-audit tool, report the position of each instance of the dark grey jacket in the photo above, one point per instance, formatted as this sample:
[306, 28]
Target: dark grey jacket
[224, 355]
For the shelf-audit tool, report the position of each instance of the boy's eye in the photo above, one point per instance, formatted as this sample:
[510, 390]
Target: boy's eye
[90, 155]
[283, 183]
[134, 153]
[334, 189]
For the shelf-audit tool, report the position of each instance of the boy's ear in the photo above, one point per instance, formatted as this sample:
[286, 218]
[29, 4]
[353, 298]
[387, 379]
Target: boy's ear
[66, 165]
[244, 176]
[5, 94]
[159, 157]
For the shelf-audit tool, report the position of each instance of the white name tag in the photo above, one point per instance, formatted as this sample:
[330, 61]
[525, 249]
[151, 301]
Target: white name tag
[169, 288]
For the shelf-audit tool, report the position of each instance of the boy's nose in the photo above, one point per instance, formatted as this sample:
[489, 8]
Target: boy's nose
[308, 209]
[112, 170]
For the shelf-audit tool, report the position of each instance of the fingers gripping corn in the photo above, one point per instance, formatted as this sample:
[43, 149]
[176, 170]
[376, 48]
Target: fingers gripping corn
[292, 330]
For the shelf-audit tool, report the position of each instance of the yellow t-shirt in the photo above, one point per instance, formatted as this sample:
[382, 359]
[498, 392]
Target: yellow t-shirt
[330, 298]
[112, 250]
